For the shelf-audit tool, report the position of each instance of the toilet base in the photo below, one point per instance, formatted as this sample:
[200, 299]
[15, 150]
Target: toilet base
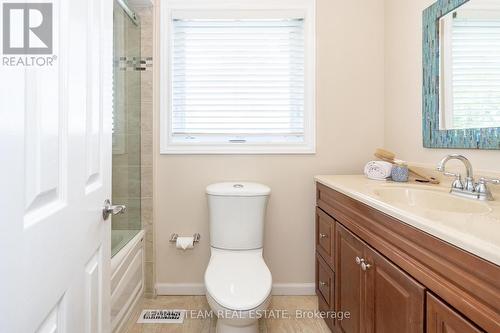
[227, 326]
[237, 322]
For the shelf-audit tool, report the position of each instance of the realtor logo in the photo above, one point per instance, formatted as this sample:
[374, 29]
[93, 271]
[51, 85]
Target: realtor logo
[27, 28]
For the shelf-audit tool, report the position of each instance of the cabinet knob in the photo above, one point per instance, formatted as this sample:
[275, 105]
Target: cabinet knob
[323, 284]
[323, 236]
[359, 260]
[365, 266]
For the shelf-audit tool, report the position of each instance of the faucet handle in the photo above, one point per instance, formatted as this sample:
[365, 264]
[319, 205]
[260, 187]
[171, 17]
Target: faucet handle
[482, 188]
[484, 181]
[457, 183]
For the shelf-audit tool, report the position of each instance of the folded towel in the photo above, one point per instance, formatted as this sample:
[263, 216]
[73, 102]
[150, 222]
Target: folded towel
[378, 170]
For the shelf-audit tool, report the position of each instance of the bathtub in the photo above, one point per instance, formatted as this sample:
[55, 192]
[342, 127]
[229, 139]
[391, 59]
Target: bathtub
[127, 276]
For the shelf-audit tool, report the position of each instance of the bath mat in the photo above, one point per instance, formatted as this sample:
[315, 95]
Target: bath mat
[165, 316]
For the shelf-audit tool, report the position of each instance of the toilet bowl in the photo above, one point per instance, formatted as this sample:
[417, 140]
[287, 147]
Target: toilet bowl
[238, 287]
[237, 280]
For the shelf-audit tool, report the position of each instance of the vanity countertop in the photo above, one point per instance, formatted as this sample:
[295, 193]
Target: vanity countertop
[471, 225]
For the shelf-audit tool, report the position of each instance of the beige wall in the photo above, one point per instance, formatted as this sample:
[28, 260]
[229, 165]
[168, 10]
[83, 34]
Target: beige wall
[350, 121]
[403, 88]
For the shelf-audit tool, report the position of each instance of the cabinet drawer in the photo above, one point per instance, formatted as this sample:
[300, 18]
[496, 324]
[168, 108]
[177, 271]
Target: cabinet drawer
[325, 236]
[443, 319]
[325, 283]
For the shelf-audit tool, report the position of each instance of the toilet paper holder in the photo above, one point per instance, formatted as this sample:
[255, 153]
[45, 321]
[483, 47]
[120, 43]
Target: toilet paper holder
[196, 237]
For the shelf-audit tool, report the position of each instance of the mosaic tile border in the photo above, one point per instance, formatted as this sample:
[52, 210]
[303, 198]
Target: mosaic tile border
[134, 63]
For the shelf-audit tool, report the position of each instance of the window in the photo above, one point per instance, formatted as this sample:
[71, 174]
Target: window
[471, 68]
[238, 80]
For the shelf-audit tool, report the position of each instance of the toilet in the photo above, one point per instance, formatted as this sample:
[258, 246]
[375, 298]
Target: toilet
[237, 280]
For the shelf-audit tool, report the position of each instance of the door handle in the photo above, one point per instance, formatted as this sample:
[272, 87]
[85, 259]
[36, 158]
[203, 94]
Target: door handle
[110, 209]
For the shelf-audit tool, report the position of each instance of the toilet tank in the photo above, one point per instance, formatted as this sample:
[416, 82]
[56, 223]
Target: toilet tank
[236, 215]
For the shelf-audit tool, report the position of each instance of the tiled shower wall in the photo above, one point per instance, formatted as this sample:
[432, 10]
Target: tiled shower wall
[146, 16]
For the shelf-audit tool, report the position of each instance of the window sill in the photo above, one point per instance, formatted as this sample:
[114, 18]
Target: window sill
[238, 149]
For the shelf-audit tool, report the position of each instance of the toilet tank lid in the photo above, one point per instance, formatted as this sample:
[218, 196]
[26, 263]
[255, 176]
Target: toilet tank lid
[238, 189]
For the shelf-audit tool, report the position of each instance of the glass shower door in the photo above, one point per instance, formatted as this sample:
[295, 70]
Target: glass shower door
[126, 184]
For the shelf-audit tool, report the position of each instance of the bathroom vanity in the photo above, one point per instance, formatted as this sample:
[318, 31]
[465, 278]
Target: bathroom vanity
[406, 259]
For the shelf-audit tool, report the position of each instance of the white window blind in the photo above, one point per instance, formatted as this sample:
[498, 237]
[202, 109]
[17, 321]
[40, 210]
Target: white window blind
[237, 81]
[476, 72]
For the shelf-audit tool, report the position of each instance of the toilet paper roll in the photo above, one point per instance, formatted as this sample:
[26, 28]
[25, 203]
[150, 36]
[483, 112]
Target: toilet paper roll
[184, 243]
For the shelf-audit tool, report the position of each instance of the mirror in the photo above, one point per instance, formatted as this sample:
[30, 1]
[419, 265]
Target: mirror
[462, 74]
[470, 66]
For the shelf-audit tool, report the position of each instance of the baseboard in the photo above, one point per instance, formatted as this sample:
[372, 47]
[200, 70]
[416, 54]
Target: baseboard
[180, 289]
[294, 289]
[279, 289]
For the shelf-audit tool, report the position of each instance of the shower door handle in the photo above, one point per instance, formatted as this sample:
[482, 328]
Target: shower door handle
[110, 209]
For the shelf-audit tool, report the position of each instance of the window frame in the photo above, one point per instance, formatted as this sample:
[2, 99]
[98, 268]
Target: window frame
[244, 9]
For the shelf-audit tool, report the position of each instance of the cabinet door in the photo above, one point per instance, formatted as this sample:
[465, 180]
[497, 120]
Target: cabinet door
[349, 279]
[443, 319]
[325, 236]
[394, 300]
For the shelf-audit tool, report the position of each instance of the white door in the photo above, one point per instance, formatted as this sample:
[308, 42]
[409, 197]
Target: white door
[55, 169]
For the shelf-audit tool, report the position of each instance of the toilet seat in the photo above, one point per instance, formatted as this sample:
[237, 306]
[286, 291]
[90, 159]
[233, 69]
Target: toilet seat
[238, 280]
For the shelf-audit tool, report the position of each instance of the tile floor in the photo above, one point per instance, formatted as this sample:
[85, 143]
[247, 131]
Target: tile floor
[207, 325]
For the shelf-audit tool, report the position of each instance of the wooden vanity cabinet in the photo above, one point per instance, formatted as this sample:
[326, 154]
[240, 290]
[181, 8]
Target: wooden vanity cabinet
[394, 278]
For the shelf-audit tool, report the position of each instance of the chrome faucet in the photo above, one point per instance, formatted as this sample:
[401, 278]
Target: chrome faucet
[458, 184]
[468, 189]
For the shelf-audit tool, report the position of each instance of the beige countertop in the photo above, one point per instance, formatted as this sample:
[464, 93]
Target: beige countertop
[471, 225]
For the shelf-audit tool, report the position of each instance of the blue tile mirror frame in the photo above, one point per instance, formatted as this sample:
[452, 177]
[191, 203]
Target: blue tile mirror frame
[433, 135]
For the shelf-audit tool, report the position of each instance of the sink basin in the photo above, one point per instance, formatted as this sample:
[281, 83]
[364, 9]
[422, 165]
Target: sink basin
[430, 200]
